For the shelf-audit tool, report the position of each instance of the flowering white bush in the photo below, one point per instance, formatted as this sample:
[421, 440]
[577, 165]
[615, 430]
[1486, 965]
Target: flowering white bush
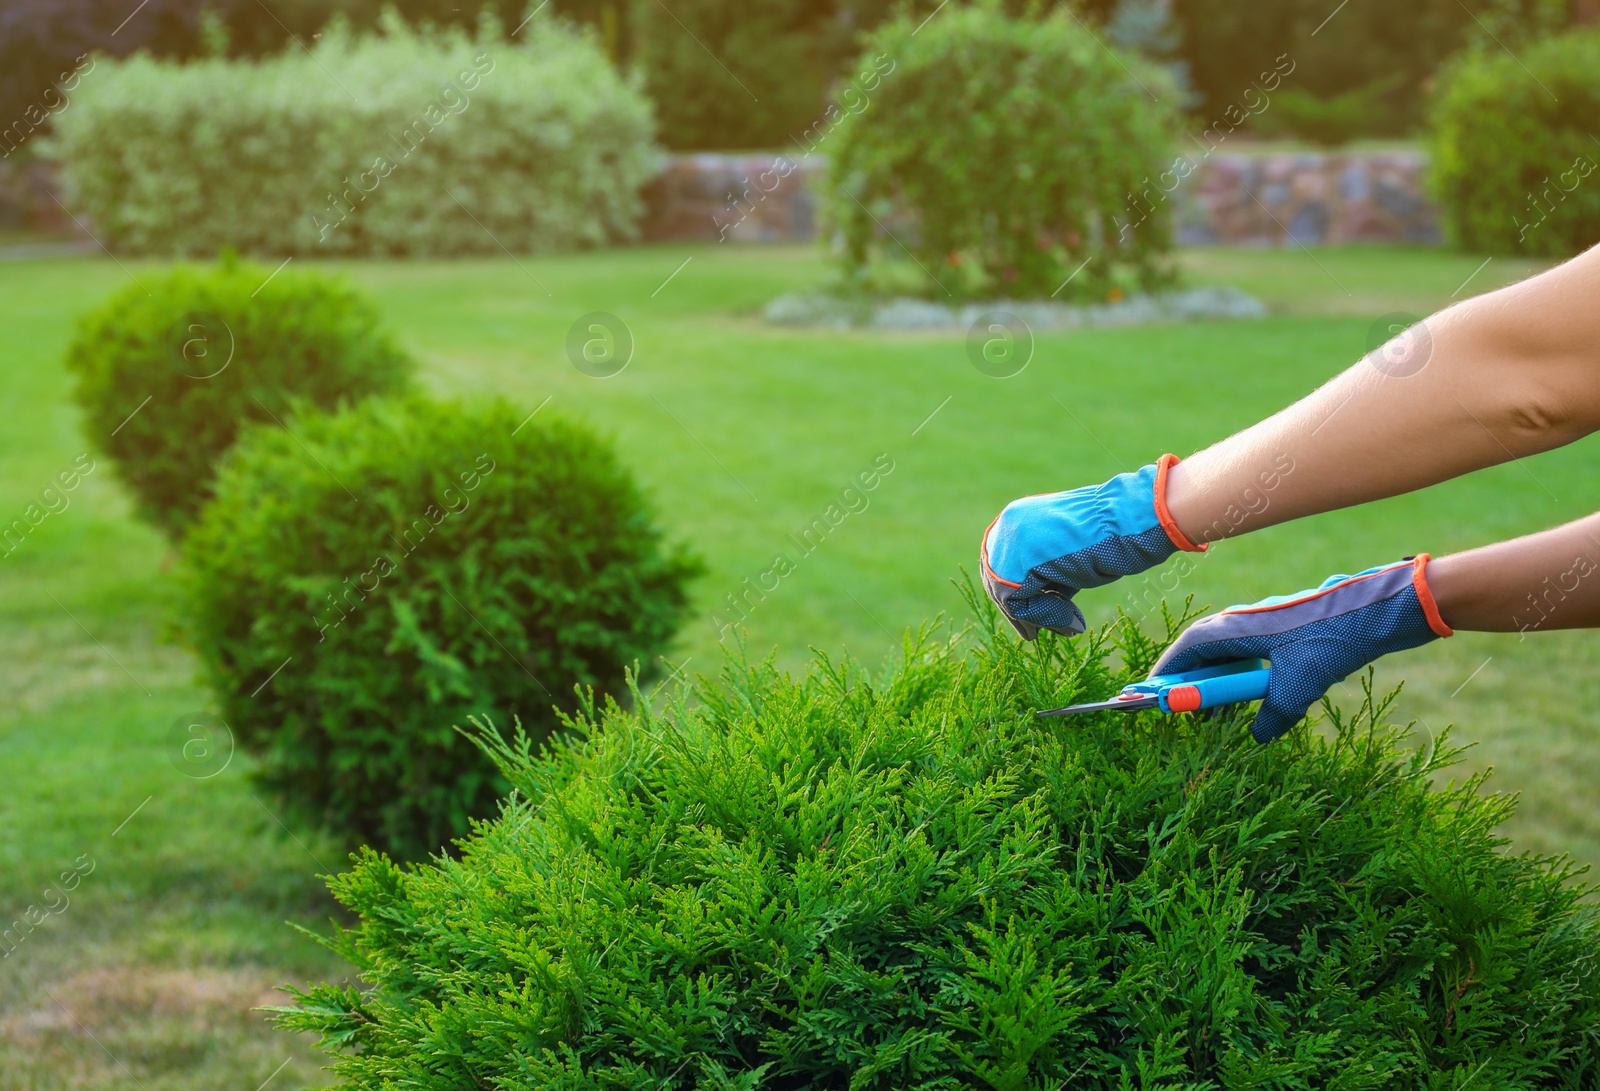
[400, 143]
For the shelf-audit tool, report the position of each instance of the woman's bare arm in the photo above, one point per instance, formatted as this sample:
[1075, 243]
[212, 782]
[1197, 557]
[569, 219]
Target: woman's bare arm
[1549, 580]
[1497, 377]
[1503, 375]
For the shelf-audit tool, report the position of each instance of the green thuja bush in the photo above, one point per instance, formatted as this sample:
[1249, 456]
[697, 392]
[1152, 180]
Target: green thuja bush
[909, 880]
[361, 583]
[1011, 157]
[1513, 155]
[169, 370]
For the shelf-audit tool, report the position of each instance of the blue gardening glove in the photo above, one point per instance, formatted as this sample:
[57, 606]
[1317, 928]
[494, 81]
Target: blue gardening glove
[1042, 550]
[1315, 638]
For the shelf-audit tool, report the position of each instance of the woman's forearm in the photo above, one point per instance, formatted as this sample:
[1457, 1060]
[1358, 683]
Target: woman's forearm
[1549, 580]
[1496, 377]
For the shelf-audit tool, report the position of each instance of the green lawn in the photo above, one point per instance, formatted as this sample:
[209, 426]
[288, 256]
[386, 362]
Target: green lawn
[745, 435]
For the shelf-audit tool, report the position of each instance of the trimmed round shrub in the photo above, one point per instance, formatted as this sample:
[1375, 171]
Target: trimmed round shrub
[361, 585]
[1003, 156]
[912, 881]
[1513, 155]
[169, 370]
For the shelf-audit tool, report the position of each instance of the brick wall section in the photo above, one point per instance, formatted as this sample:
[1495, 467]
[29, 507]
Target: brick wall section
[1273, 199]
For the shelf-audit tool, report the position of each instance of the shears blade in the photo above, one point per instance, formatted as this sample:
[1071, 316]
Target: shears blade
[1126, 702]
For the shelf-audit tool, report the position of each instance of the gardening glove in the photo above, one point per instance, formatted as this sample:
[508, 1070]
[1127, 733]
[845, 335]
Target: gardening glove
[1042, 550]
[1314, 638]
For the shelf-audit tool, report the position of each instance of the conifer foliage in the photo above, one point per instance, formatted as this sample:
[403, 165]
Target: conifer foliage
[365, 582]
[911, 881]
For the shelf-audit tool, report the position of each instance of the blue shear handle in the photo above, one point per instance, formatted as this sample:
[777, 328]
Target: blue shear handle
[1224, 689]
[1159, 682]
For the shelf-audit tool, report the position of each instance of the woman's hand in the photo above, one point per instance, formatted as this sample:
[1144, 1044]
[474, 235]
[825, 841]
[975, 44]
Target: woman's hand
[1315, 638]
[1042, 550]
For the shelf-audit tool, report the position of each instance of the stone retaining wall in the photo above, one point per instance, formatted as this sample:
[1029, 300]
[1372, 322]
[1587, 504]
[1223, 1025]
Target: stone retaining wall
[1326, 198]
[737, 198]
[1231, 199]
[1234, 199]
[26, 186]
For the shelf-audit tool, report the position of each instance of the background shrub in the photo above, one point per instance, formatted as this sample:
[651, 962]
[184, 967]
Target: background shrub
[784, 51]
[41, 39]
[1364, 72]
[749, 76]
[1374, 66]
[1002, 153]
[1512, 165]
[728, 75]
[170, 369]
[403, 143]
[910, 881]
[1330, 119]
[408, 565]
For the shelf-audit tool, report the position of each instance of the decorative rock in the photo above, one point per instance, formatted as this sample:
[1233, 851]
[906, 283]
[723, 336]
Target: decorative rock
[820, 311]
[828, 312]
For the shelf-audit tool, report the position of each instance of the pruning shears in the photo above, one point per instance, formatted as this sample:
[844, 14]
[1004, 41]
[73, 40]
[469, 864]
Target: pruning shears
[1185, 691]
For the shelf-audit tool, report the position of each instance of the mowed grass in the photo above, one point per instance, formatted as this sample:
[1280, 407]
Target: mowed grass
[745, 435]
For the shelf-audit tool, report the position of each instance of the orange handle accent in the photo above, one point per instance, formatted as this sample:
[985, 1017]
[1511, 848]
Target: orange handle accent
[1184, 698]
